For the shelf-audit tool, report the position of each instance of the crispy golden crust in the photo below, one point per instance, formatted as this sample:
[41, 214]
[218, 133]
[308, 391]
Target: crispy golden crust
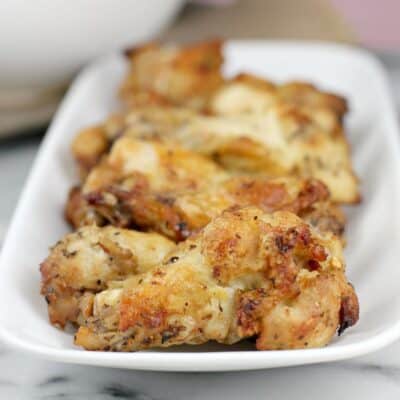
[245, 274]
[176, 192]
[88, 147]
[77, 213]
[283, 141]
[173, 75]
[85, 262]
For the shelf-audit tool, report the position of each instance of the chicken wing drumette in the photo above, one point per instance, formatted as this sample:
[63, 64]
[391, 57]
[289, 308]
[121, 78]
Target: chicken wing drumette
[246, 274]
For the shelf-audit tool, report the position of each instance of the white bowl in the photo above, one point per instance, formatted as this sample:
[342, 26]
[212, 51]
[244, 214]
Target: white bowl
[44, 42]
[373, 233]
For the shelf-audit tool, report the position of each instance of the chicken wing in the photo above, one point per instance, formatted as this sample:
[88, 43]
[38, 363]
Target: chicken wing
[176, 192]
[173, 75]
[85, 262]
[283, 141]
[246, 274]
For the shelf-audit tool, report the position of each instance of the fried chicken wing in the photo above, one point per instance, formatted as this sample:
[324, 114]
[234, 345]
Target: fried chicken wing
[84, 262]
[246, 274]
[283, 141]
[173, 75]
[176, 192]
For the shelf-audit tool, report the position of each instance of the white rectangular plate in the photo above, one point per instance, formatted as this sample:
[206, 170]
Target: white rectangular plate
[373, 250]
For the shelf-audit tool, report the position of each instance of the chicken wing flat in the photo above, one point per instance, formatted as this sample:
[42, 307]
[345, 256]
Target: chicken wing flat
[85, 262]
[283, 141]
[176, 192]
[246, 274]
[173, 75]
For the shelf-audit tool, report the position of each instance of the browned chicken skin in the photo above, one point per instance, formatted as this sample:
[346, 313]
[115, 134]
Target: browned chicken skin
[246, 274]
[172, 75]
[191, 76]
[248, 94]
[86, 261]
[176, 192]
[280, 142]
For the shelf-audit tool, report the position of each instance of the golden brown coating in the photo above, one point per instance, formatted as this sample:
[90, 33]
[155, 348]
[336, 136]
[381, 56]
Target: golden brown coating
[76, 210]
[173, 75]
[166, 166]
[176, 192]
[246, 274]
[283, 141]
[191, 76]
[86, 261]
[305, 94]
[248, 94]
[147, 122]
[88, 148]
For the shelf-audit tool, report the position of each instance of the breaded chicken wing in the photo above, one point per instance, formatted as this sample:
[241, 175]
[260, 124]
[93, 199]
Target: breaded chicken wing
[176, 192]
[283, 141]
[86, 261]
[246, 274]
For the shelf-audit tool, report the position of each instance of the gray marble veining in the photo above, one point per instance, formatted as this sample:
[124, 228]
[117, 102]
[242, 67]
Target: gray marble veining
[24, 377]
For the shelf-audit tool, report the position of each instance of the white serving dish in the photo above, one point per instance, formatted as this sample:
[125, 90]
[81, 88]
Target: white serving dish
[44, 42]
[373, 232]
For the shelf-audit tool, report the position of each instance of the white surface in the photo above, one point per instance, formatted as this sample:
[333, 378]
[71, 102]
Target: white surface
[44, 42]
[373, 229]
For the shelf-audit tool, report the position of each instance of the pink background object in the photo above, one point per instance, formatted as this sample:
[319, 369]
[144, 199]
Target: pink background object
[375, 22]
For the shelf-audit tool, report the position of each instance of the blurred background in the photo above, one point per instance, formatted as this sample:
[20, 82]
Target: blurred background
[43, 44]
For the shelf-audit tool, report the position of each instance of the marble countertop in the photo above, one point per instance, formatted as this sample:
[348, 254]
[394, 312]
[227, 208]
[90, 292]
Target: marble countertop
[24, 377]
